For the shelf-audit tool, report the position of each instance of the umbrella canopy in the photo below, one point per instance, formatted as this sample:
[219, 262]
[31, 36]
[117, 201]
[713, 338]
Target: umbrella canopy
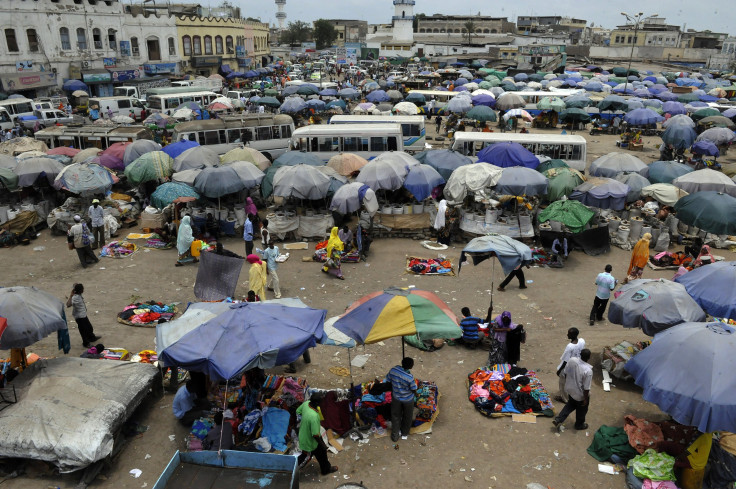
[84, 154]
[717, 121]
[416, 98]
[664, 193]
[509, 252]
[307, 89]
[562, 181]
[518, 180]
[653, 306]
[63, 150]
[398, 312]
[459, 105]
[421, 180]
[196, 157]
[705, 112]
[153, 165]
[579, 101]
[695, 386]
[574, 114]
[269, 102]
[347, 163]
[713, 287]
[108, 161]
[138, 148]
[717, 135]
[604, 193]
[673, 108]
[186, 177]
[635, 182]
[395, 96]
[713, 212]
[481, 113]
[177, 148]
[290, 158]
[706, 179]
[8, 179]
[518, 113]
[642, 117]
[679, 120]
[349, 93]
[85, 179]
[351, 196]
[679, 136]
[377, 96]
[613, 103]
[477, 178]
[8, 162]
[29, 170]
[75, 85]
[250, 175]
[571, 213]
[614, 163]
[705, 147]
[293, 105]
[216, 181]
[508, 154]
[246, 154]
[168, 192]
[666, 171]
[405, 108]
[445, 161]
[31, 314]
[508, 101]
[387, 171]
[117, 150]
[246, 336]
[300, 182]
[549, 164]
[551, 103]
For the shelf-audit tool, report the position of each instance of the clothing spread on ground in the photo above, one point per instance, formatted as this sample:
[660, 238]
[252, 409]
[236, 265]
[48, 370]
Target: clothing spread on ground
[118, 249]
[147, 314]
[373, 404]
[429, 266]
[347, 256]
[503, 389]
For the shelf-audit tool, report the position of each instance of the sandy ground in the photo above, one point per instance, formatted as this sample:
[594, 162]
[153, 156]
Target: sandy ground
[465, 448]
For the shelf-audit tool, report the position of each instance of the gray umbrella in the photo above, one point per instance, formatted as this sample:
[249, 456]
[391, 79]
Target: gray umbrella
[8, 162]
[186, 176]
[250, 175]
[216, 181]
[336, 180]
[614, 163]
[30, 169]
[635, 182]
[197, 157]
[138, 148]
[518, 180]
[705, 179]
[510, 100]
[653, 306]
[395, 96]
[32, 315]
[717, 135]
[300, 182]
[349, 197]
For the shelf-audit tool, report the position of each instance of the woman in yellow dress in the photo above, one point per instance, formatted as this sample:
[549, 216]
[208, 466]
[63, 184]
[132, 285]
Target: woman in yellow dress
[257, 276]
[334, 248]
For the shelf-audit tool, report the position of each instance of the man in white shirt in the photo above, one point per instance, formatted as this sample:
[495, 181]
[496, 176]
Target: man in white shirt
[572, 349]
[97, 215]
[605, 283]
[579, 375]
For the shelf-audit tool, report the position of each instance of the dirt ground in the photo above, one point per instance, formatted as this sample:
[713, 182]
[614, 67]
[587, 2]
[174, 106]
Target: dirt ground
[465, 449]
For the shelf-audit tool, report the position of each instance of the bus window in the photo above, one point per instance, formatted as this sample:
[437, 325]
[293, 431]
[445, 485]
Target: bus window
[393, 144]
[276, 132]
[223, 137]
[263, 133]
[410, 130]
[329, 144]
[354, 144]
[577, 153]
[286, 131]
[378, 144]
[210, 137]
[313, 145]
[233, 136]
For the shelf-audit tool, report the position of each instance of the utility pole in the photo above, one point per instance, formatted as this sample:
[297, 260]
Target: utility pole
[636, 20]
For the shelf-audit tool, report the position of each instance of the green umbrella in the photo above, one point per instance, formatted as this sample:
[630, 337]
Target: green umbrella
[703, 113]
[3, 95]
[486, 84]
[716, 121]
[574, 114]
[8, 179]
[571, 213]
[713, 212]
[168, 192]
[562, 181]
[551, 103]
[269, 101]
[150, 166]
[481, 113]
[549, 164]
[687, 97]
[271, 92]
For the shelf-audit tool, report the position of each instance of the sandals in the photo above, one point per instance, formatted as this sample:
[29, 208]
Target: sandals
[332, 470]
[501, 289]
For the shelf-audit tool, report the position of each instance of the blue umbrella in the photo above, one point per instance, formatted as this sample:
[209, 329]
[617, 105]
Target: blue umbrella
[246, 336]
[518, 180]
[730, 113]
[611, 164]
[714, 288]
[290, 90]
[293, 105]
[705, 147]
[680, 136]
[378, 96]
[336, 103]
[421, 180]
[445, 161]
[642, 117]
[484, 99]
[328, 92]
[666, 171]
[666, 96]
[521, 77]
[461, 81]
[177, 148]
[316, 104]
[251, 74]
[593, 86]
[74, 85]
[688, 372]
[307, 89]
[168, 192]
[604, 193]
[674, 107]
[416, 98]
[508, 154]
[349, 93]
[193, 106]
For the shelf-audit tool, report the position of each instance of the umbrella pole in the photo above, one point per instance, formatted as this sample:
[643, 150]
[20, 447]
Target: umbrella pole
[350, 368]
[493, 278]
[403, 353]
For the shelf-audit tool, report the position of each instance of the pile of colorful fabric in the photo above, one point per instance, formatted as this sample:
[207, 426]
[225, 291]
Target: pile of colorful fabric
[429, 266]
[373, 404]
[502, 390]
[156, 242]
[427, 404]
[118, 249]
[614, 358]
[147, 314]
[540, 257]
[145, 356]
[351, 257]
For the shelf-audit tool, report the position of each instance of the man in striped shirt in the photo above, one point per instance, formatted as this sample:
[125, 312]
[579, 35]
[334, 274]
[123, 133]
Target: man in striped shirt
[470, 328]
[403, 388]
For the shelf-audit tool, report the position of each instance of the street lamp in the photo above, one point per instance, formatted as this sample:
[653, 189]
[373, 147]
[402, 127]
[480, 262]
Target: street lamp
[636, 20]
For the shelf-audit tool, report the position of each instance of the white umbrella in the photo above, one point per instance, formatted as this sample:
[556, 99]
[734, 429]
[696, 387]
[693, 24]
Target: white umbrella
[706, 179]
[476, 178]
[406, 108]
[664, 193]
[183, 113]
[301, 182]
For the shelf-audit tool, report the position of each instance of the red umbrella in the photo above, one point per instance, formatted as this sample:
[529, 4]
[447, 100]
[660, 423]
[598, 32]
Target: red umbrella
[117, 149]
[218, 106]
[63, 150]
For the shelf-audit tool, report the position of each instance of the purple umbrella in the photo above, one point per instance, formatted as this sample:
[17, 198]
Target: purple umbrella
[508, 154]
[109, 161]
[460, 89]
[484, 99]
[705, 148]
[461, 81]
[666, 96]
[730, 113]
[674, 107]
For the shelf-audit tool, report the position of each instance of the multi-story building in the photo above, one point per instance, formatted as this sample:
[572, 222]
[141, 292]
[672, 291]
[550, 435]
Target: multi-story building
[702, 39]
[208, 45]
[651, 31]
[349, 31]
[257, 45]
[528, 24]
[482, 24]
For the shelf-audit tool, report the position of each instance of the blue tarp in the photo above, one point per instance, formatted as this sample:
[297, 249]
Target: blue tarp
[508, 154]
[177, 148]
[510, 253]
[713, 287]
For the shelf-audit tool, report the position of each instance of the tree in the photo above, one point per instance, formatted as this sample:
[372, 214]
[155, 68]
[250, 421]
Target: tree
[296, 33]
[418, 18]
[469, 27]
[324, 33]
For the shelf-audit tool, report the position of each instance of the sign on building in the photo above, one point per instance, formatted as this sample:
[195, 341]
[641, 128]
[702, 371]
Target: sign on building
[109, 62]
[24, 66]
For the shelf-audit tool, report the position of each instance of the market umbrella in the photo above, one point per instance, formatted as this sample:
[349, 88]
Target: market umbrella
[574, 114]
[484, 99]
[481, 113]
[405, 108]
[549, 164]
[347, 163]
[246, 154]
[387, 171]
[289, 158]
[395, 96]
[177, 148]
[421, 180]
[673, 108]
[562, 181]
[398, 312]
[613, 103]
[63, 150]
[250, 175]
[117, 150]
[84, 154]
[508, 101]
[459, 105]
[80, 93]
[377, 96]
[351, 196]
[154, 165]
[664, 193]
[579, 101]
[196, 157]
[518, 113]
[160, 120]
[8, 179]
[717, 121]
[247, 335]
[713, 287]
[31, 315]
[415, 98]
[349, 93]
[476, 178]
[713, 212]
[518, 181]
[272, 102]
[191, 105]
[507, 154]
[509, 252]
[316, 105]
[706, 179]
[695, 386]
[85, 179]
[717, 135]
[635, 182]
[679, 120]
[293, 105]
[108, 161]
[612, 164]
[679, 136]
[642, 117]
[571, 213]
[216, 181]
[168, 192]
[706, 112]
[445, 161]
[604, 193]
[307, 89]
[705, 147]
[138, 148]
[300, 182]
[74, 85]
[551, 103]
[8, 162]
[186, 177]
[29, 170]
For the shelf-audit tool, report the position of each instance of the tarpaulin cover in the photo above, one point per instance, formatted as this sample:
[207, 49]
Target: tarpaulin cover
[510, 253]
[217, 277]
[476, 178]
[247, 336]
[713, 287]
[69, 408]
[571, 213]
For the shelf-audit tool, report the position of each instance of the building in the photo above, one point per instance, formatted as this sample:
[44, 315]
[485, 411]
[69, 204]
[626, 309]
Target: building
[726, 58]
[349, 31]
[150, 48]
[652, 31]
[528, 24]
[280, 14]
[403, 21]
[257, 45]
[207, 45]
[702, 39]
[440, 24]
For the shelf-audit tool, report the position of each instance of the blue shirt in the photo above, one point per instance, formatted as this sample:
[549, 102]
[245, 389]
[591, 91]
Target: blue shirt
[248, 230]
[270, 256]
[183, 402]
[606, 283]
[470, 327]
[402, 384]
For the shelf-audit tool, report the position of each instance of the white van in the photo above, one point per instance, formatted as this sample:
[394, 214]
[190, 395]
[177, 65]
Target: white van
[241, 94]
[118, 105]
[5, 121]
[17, 107]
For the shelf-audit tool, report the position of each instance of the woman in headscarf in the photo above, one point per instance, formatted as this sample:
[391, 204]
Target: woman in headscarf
[251, 209]
[500, 327]
[704, 257]
[184, 240]
[334, 247]
[639, 258]
[445, 222]
[257, 275]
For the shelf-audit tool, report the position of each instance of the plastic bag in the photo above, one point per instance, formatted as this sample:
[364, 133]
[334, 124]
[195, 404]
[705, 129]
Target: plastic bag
[663, 241]
[262, 444]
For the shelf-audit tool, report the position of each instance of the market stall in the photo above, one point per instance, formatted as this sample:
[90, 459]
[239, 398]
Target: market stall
[503, 390]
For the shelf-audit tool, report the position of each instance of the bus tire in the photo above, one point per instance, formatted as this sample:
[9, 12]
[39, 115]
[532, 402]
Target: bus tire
[439, 138]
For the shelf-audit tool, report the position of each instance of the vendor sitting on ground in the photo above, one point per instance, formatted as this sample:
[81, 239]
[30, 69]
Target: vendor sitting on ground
[469, 324]
[212, 227]
[346, 236]
[220, 436]
[184, 405]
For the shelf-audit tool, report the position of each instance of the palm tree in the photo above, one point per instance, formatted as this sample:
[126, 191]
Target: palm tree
[470, 29]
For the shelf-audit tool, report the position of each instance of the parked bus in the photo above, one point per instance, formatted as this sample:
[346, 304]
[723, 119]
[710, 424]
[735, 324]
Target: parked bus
[366, 140]
[90, 136]
[266, 133]
[412, 127]
[570, 148]
[532, 98]
[440, 96]
[119, 106]
[168, 103]
[17, 107]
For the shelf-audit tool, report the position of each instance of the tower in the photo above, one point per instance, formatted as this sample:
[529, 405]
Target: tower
[403, 20]
[281, 15]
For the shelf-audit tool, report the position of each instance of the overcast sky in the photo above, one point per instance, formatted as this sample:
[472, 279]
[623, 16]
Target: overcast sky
[703, 14]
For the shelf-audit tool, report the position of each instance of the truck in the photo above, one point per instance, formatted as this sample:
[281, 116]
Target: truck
[138, 89]
[45, 118]
[209, 84]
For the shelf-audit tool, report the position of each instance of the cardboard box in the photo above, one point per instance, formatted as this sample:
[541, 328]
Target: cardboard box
[152, 221]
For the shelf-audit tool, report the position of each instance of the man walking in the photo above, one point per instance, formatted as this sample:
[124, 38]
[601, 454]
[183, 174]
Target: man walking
[79, 237]
[270, 254]
[248, 235]
[606, 283]
[469, 324]
[98, 223]
[310, 439]
[579, 374]
[572, 350]
[516, 272]
[79, 313]
[403, 388]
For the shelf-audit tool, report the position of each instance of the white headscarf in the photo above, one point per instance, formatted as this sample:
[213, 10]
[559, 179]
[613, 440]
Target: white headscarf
[184, 237]
[439, 220]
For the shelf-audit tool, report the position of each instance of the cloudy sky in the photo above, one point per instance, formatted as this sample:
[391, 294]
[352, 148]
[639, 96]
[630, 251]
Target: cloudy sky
[704, 14]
